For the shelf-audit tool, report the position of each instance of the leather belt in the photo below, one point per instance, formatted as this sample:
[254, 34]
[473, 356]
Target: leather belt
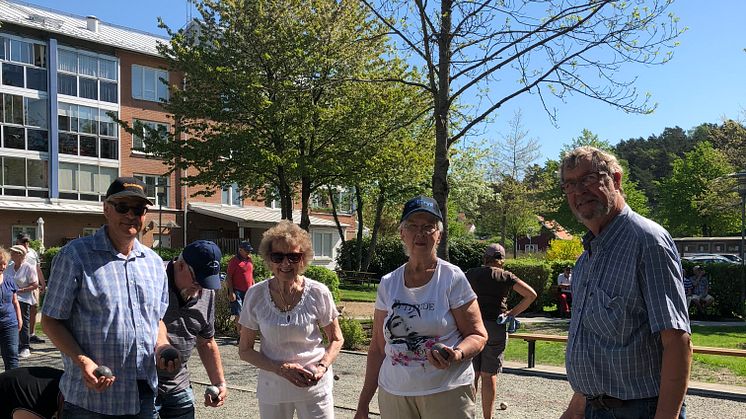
[603, 401]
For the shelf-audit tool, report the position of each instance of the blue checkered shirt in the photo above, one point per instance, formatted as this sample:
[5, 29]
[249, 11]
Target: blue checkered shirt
[627, 287]
[111, 304]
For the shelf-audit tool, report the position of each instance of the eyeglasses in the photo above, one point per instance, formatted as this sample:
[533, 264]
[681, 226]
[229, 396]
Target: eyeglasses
[123, 208]
[587, 181]
[277, 257]
[425, 229]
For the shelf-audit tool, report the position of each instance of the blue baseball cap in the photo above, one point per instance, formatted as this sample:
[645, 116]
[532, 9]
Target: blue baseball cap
[203, 257]
[421, 204]
[246, 245]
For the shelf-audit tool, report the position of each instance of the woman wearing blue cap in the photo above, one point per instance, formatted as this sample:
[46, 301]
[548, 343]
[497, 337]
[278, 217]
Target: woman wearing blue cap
[426, 328]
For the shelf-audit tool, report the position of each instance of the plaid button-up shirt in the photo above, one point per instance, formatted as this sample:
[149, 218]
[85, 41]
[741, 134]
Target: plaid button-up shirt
[627, 287]
[111, 304]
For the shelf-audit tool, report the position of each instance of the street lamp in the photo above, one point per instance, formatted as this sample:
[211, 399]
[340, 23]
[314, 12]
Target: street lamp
[161, 193]
[741, 179]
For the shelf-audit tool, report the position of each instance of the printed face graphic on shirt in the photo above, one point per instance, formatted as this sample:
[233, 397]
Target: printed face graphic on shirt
[400, 330]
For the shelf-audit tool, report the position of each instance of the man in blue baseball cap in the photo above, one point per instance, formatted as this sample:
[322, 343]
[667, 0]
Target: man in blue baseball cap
[193, 278]
[240, 279]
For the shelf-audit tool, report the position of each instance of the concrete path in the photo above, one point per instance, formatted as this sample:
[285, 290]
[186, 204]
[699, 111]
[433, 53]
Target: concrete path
[529, 393]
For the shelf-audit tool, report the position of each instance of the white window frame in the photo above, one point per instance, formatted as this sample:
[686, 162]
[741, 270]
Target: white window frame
[89, 231]
[228, 196]
[531, 248]
[17, 229]
[324, 238]
[157, 240]
[156, 179]
[138, 141]
[157, 73]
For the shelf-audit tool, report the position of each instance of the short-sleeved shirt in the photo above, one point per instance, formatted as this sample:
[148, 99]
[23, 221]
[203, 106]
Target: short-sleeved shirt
[23, 276]
[701, 287]
[290, 336]
[688, 286]
[32, 388]
[492, 286]
[416, 319]
[185, 321]
[627, 288]
[112, 304]
[8, 316]
[32, 257]
[241, 273]
[565, 280]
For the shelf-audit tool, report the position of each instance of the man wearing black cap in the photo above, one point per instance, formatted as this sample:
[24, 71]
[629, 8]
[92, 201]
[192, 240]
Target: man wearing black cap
[493, 284]
[193, 278]
[106, 297]
[240, 279]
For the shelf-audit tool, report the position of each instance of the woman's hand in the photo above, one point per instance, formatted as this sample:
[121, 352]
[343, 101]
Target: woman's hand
[319, 371]
[297, 375]
[441, 362]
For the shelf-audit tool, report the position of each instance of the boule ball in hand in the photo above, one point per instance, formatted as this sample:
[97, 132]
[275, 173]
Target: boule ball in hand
[103, 371]
[213, 392]
[169, 354]
[441, 350]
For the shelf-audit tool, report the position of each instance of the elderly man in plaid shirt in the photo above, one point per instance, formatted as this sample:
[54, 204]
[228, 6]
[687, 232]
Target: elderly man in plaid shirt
[106, 297]
[629, 349]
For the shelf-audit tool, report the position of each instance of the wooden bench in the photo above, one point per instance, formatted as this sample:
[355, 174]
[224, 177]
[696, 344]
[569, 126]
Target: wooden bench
[358, 277]
[531, 338]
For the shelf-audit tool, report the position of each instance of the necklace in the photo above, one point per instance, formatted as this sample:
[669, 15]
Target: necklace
[285, 305]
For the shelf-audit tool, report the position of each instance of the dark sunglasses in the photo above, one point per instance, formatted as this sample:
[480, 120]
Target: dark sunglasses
[123, 208]
[277, 257]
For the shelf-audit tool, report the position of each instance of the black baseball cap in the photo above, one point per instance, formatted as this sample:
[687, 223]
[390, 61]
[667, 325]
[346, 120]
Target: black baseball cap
[246, 246]
[421, 204]
[204, 258]
[23, 238]
[127, 186]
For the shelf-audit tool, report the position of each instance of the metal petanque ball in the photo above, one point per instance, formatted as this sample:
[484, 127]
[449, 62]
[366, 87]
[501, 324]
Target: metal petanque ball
[103, 371]
[441, 350]
[503, 406]
[212, 392]
[170, 354]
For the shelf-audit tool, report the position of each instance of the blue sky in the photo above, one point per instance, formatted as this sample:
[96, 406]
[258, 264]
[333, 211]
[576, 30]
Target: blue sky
[703, 83]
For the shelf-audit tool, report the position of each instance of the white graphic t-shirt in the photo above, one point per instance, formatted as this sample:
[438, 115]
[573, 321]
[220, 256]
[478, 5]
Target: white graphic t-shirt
[417, 319]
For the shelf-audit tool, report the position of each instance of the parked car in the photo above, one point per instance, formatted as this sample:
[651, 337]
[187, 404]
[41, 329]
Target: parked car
[709, 259]
[733, 258]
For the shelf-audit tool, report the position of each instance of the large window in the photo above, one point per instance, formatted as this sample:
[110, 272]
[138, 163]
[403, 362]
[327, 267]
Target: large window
[85, 182]
[88, 76]
[24, 63]
[87, 131]
[147, 84]
[322, 245]
[151, 188]
[24, 123]
[138, 141]
[231, 195]
[344, 199]
[24, 177]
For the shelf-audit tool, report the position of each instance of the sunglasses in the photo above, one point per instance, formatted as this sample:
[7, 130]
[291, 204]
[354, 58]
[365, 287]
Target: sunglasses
[123, 208]
[277, 257]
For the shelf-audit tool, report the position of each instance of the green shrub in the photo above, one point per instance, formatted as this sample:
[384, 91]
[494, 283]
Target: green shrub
[352, 332]
[535, 273]
[388, 256]
[326, 277]
[466, 253]
[565, 249]
[168, 253]
[47, 258]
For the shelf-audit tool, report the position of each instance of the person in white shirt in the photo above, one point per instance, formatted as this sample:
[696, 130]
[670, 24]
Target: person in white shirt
[34, 260]
[564, 291]
[25, 278]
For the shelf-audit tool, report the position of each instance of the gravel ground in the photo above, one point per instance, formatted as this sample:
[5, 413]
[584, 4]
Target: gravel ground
[527, 396]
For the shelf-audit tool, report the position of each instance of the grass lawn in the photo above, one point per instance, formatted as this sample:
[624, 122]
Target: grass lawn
[707, 368]
[359, 293]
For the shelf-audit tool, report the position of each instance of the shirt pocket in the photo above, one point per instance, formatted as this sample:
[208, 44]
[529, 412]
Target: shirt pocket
[604, 315]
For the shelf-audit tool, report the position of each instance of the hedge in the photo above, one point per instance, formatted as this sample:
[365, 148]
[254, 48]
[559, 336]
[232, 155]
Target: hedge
[726, 280]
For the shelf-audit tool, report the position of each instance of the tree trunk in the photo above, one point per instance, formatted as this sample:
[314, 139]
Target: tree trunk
[335, 215]
[305, 197]
[286, 195]
[376, 225]
[359, 209]
[442, 120]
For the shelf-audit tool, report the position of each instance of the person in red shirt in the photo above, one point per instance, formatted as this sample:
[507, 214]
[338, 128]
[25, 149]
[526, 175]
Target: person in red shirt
[240, 279]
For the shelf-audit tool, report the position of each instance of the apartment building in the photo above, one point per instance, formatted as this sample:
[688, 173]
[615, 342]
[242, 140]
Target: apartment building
[63, 78]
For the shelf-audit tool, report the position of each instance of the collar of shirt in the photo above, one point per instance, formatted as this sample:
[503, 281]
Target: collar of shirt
[592, 243]
[102, 243]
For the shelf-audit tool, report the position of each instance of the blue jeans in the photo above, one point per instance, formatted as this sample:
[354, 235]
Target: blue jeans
[9, 346]
[632, 409]
[147, 407]
[179, 405]
[237, 305]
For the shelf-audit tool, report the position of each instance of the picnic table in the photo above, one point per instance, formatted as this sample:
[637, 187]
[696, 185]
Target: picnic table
[358, 277]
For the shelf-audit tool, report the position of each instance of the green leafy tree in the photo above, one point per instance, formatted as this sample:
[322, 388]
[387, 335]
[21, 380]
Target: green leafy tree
[548, 48]
[565, 249]
[730, 138]
[271, 100]
[699, 198]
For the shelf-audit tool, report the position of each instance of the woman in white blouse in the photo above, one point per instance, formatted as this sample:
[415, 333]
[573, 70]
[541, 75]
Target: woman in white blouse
[291, 312]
